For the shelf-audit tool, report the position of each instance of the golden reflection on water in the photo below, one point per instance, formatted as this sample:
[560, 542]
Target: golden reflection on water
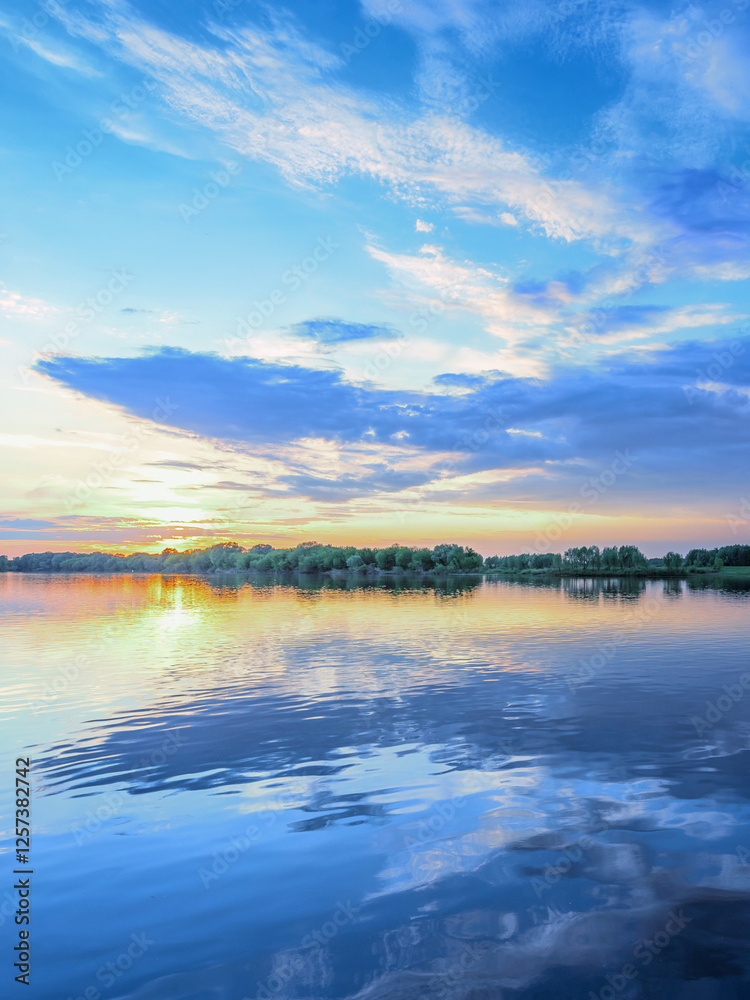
[179, 628]
[85, 647]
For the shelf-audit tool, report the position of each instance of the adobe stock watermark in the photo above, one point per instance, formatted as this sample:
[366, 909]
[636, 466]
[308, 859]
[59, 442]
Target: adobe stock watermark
[218, 181]
[565, 9]
[86, 312]
[292, 279]
[108, 974]
[434, 137]
[568, 857]
[445, 811]
[644, 952]
[283, 974]
[471, 441]
[716, 710]
[32, 26]
[422, 317]
[95, 819]
[596, 319]
[701, 41]
[240, 844]
[222, 7]
[92, 138]
[722, 362]
[366, 33]
[539, 205]
[70, 674]
[591, 491]
[606, 651]
[449, 978]
[741, 519]
[735, 181]
[103, 471]
[388, 353]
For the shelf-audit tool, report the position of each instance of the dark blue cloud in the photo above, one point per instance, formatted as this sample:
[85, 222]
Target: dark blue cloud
[383, 480]
[30, 529]
[574, 281]
[702, 201]
[708, 210]
[25, 528]
[337, 331]
[462, 380]
[550, 294]
[656, 406]
[543, 294]
[621, 317]
[174, 464]
[15, 523]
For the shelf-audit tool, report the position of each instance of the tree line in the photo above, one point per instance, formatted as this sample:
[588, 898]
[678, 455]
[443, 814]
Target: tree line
[626, 559]
[313, 557]
[308, 557]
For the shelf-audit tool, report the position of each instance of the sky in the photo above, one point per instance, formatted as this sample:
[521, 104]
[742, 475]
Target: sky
[364, 273]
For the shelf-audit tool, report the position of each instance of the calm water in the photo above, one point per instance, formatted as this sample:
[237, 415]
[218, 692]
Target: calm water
[489, 790]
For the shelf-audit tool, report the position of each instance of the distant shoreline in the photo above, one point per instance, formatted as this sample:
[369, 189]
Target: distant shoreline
[397, 562]
[735, 572]
[738, 573]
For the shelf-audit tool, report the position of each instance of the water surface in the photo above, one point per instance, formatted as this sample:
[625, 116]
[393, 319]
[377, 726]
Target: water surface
[463, 791]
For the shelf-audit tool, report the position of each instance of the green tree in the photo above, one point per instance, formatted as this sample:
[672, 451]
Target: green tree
[610, 559]
[672, 562]
[404, 557]
[573, 558]
[385, 559]
[421, 560]
[631, 558]
[470, 561]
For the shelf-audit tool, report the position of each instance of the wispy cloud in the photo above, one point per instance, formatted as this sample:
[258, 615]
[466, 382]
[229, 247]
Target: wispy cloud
[337, 331]
[52, 53]
[157, 315]
[272, 95]
[14, 305]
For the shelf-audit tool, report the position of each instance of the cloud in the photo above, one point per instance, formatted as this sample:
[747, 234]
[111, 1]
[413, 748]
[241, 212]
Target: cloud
[540, 322]
[137, 131]
[227, 484]
[624, 316]
[16, 523]
[272, 95]
[663, 111]
[574, 421]
[462, 284]
[423, 227]
[647, 176]
[159, 315]
[622, 323]
[174, 464]
[337, 331]
[62, 58]
[16, 306]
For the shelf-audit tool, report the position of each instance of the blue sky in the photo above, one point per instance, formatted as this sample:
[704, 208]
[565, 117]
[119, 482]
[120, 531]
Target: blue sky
[389, 271]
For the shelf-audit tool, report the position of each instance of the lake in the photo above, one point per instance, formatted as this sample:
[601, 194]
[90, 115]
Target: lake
[457, 791]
